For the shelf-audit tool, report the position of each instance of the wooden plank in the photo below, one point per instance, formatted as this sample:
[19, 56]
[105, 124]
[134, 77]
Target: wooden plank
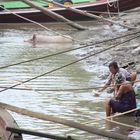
[70, 123]
[34, 133]
[55, 16]
[85, 13]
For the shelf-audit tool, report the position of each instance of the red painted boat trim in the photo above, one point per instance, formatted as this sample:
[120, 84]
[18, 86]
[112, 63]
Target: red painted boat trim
[36, 15]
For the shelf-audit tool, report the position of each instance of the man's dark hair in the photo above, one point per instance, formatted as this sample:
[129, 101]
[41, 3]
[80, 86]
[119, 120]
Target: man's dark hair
[114, 64]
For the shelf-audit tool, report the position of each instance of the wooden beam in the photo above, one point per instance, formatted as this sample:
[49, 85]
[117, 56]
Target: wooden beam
[34, 133]
[85, 13]
[54, 15]
[70, 123]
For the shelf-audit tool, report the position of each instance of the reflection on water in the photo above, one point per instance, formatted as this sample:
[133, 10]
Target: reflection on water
[80, 106]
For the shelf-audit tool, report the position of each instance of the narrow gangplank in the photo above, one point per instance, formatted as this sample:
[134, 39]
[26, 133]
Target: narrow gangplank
[65, 122]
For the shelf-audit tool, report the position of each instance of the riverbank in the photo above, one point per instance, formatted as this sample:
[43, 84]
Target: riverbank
[124, 53]
[80, 106]
[130, 51]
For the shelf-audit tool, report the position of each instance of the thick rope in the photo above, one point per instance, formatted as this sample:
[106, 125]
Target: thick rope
[63, 121]
[116, 115]
[67, 89]
[122, 124]
[31, 21]
[111, 5]
[69, 50]
[101, 119]
[69, 64]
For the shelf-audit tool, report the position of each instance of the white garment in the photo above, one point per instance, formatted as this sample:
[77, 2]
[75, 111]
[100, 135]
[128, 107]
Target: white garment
[124, 73]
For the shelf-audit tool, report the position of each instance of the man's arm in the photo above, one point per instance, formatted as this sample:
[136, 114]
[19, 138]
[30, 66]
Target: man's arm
[107, 83]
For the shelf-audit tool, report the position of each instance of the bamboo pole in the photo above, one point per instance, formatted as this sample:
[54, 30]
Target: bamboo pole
[40, 134]
[54, 15]
[85, 13]
[65, 122]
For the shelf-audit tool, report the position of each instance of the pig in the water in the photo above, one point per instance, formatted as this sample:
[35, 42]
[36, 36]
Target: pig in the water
[50, 39]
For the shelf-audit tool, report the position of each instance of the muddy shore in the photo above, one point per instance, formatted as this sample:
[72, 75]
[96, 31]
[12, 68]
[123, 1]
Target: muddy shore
[124, 53]
[130, 52]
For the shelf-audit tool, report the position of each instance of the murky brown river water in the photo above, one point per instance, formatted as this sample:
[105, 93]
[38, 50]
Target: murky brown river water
[80, 106]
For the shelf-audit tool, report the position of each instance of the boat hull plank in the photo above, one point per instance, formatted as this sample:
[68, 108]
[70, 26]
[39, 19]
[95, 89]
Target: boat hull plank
[36, 15]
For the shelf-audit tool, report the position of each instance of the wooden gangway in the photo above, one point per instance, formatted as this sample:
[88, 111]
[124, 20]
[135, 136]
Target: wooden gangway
[66, 122]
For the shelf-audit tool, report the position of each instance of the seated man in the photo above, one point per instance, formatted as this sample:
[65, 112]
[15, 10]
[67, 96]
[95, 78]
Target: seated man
[124, 97]
[114, 68]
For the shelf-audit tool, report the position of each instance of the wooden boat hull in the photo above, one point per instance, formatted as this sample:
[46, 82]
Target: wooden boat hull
[7, 120]
[36, 15]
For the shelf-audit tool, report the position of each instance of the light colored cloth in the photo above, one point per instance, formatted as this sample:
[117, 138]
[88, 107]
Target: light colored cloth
[125, 74]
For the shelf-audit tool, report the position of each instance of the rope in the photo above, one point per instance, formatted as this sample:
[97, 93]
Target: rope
[123, 124]
[74, 89]
[116, 115]
[94, 16]
[69, 50]
[108, 5]
[69, 64]
[70, 89]
[31, 21]
[62, 121]
[118, 8]
[108, 119]
[111, 5]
